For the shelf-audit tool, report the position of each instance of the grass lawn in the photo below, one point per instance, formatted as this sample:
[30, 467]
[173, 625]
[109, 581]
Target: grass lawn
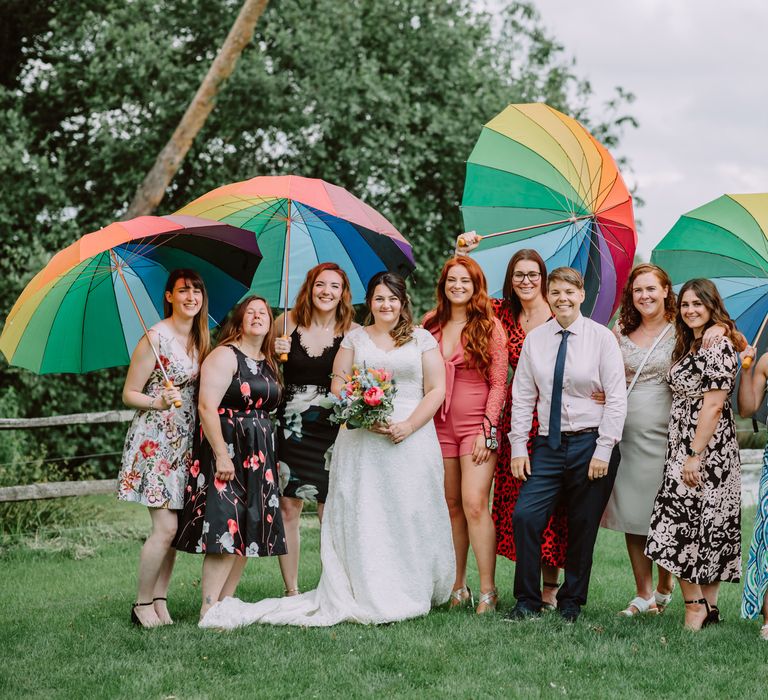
[64, 632]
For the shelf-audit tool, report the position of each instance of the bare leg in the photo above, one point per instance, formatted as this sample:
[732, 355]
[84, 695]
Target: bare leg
[161, 588]
[320, 509]
[290, 509]
[695, 613]
[216, 570]
[549, 574]
[475, 495]
[642, 567]
[458, 523]
[230, 585]
[666, 581]
[152, 562]
[711, 591]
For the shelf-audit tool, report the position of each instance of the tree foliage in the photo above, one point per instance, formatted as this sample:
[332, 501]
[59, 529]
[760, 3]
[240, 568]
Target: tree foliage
[383, 98]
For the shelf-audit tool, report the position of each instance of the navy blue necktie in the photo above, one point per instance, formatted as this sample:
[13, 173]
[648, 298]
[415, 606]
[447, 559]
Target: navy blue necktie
[556, 405]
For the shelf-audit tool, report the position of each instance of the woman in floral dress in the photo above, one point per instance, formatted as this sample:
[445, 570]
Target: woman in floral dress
[695, 530]
[754, 599]
[158, 449]
[305, 436]
[232, 509]
[523, 307]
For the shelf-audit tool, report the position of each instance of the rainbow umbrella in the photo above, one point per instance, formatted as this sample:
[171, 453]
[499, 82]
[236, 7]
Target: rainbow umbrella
[538, 179]
[88, 307]
[300, 222]
[725, 240]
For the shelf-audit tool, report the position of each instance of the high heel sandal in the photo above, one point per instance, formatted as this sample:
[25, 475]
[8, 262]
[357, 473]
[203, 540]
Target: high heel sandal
[135, 618]
[490, 599]
[290, 592]
[556, 587]
[458, 598]
[699, 601]
[169, 621]
[713, 616]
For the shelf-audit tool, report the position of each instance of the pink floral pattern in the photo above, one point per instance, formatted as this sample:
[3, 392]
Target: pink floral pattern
[241, 516]
[158, 448]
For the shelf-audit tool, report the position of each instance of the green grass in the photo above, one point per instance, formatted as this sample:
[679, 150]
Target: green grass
[64, 632]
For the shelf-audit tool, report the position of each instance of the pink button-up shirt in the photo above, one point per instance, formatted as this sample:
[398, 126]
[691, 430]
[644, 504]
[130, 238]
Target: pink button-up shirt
[593, 363]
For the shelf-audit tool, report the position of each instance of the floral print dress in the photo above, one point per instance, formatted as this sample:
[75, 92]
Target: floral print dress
[695, 532]
[506, 488]
[158, 448]
[241, 516]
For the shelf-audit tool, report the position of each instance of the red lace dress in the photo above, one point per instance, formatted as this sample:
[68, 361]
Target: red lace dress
[507, 488]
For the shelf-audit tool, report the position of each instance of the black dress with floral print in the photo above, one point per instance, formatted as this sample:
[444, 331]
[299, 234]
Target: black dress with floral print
[241, 516]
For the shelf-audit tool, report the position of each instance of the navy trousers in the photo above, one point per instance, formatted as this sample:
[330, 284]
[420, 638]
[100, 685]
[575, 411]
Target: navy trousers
[560, 476]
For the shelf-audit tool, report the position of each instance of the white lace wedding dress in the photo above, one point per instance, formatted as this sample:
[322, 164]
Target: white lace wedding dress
[386, 545]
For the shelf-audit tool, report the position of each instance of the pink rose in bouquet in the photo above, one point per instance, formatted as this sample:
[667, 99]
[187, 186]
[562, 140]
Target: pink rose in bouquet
[373, 396]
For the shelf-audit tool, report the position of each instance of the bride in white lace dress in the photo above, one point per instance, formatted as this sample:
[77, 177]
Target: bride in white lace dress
[385, 544]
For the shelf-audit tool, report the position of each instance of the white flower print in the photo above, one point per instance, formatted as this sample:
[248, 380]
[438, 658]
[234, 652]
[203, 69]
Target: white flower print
[252, 550]
[206, 527]
[200, 480]
[327, 457]
[227, 542]
[284, 475]
[293, 425]
[273, 501]
[252, 365]
[307, 492]
[230, 450]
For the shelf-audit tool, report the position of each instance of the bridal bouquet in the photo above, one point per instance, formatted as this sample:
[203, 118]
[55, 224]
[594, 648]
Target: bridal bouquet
[365, 399]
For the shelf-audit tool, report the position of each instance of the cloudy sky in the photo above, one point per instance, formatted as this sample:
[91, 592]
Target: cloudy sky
[699, 70]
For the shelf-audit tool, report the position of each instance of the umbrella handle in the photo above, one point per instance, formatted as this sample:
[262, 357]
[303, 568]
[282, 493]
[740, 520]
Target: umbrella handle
[283, 356]
[462, 243]
[169, 385]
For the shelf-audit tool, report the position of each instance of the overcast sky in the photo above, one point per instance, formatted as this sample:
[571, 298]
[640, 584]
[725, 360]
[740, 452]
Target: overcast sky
[699, 70]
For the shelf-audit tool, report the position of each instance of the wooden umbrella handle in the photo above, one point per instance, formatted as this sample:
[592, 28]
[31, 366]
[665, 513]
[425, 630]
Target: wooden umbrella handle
[169, 385]
[283, 356]
[746, 363]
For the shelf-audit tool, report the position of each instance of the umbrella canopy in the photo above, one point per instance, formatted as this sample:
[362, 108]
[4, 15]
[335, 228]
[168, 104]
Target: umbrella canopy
[538, 179]
[300, 222]
[725, 240]
[78, 314]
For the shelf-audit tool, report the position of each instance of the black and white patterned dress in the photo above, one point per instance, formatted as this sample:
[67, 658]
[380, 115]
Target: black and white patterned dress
[695, 532]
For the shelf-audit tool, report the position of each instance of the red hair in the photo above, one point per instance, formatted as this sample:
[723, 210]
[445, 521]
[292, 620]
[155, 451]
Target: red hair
[481, 324]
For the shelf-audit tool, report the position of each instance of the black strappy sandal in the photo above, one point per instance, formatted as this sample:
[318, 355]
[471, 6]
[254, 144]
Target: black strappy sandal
[713, 616]
[134, 617]
[553, 586]
[700, 601]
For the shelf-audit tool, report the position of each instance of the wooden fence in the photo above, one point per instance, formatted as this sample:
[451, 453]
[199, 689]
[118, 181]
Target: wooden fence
[58, 489]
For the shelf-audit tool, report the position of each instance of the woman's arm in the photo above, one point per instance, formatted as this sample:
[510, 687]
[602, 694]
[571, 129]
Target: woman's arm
[497, 374]
[342, 368]
[709, 416]
[752, 386]
[433, 369]
[142, 363]
[283, 342]
[215, 377]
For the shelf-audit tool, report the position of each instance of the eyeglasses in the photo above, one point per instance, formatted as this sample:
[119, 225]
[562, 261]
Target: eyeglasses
[533, 277]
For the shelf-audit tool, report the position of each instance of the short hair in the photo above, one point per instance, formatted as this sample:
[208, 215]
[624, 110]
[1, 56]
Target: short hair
[568, 275]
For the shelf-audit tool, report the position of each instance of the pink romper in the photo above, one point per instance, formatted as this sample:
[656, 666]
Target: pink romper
[469, 396]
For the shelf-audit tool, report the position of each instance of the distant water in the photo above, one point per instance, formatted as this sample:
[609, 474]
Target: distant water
[751, 465]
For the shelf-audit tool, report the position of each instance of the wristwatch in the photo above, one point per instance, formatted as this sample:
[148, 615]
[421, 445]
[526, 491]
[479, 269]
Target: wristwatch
[692, 453]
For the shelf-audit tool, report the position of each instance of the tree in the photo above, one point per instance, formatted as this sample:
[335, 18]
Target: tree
[383, 98]
[151, 191]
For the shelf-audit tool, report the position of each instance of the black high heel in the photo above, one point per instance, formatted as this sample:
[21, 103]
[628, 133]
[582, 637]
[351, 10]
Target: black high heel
[700, 601]
[713, 616]
[134, 617]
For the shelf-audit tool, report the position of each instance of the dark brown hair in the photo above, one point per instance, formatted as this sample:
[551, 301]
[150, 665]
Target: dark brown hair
[508, 291]
[707, 293]
[403, 331]
[479, 329]
[200, 336]
[302, 309]
[629, 316]
[232, 330]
